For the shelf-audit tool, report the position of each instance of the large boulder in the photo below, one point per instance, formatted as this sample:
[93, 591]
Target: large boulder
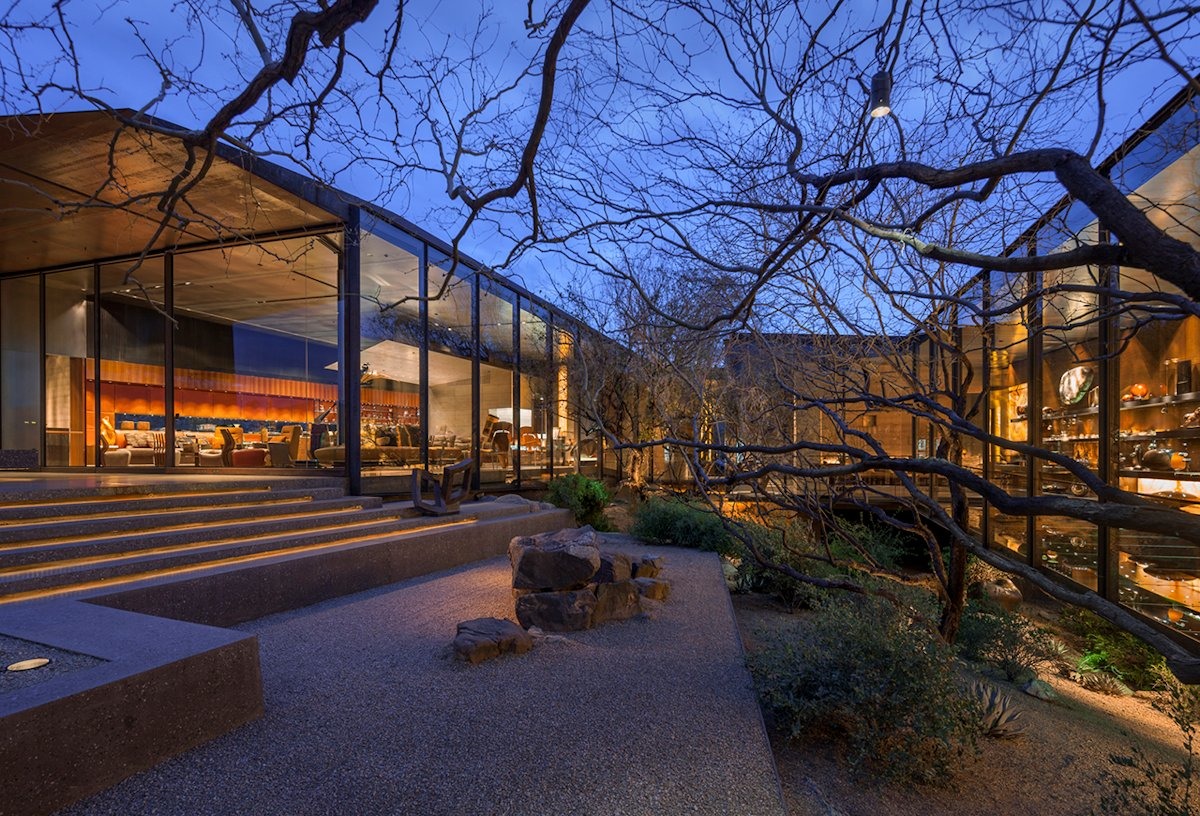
[656, 589]
[568, 611]
[614, 566]
[647, 567]
[484, 638]
[563, 560]
[619, 600]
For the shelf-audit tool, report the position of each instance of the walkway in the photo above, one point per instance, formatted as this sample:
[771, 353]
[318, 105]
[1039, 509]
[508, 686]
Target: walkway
[365, 714]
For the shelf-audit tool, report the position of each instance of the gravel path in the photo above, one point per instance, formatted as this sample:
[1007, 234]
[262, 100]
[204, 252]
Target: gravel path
[366, 715]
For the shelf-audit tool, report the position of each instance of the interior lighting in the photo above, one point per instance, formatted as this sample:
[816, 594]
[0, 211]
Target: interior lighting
[881, 95]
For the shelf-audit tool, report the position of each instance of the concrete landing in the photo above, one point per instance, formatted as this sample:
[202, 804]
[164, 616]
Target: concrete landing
[365, 715]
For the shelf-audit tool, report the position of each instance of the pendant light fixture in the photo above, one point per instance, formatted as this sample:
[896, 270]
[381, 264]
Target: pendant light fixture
[881, 95]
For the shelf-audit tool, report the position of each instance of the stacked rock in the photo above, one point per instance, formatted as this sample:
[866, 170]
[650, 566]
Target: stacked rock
[563, 581]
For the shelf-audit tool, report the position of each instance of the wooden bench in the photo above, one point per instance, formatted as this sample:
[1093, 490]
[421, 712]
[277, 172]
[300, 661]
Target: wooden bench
[441, 497]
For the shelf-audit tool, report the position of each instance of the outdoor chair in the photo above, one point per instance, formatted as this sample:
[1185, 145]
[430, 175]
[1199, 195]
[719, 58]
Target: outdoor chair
[436, 496]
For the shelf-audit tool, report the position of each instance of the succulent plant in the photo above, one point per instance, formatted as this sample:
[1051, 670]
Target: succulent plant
[997, 714]
[1104, 683]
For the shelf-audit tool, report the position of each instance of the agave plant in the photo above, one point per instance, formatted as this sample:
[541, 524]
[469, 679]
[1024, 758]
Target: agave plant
[997, 714]
[1104, 683]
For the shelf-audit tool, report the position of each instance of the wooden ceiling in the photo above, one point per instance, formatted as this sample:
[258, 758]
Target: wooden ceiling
[75, 188]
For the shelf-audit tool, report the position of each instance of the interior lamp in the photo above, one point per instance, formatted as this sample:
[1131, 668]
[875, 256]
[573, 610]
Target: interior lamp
[881, 95]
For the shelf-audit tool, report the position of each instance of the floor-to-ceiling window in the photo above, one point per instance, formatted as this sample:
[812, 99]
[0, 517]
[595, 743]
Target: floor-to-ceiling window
[451, 347]
[1009, 406]
[392, 431]
[69, 368]
[20, 356]
[497, 362]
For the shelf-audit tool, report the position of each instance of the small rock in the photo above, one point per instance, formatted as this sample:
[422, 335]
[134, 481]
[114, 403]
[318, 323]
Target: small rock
[484, 638]
[614, 566]
[648, 567]
[568, 611]
[1040, 689]
[656, 589]
[619, 600]
[1003, 592]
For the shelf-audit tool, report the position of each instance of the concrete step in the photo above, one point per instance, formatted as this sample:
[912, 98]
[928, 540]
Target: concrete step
[245, 523]
[223, 591]
[133, 514]
[90, 569]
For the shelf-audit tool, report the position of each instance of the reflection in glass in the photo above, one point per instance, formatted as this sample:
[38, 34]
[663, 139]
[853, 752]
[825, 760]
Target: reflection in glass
[70, 369]
[20, 388]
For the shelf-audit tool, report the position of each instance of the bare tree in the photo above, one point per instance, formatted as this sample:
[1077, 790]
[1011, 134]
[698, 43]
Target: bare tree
[727, 144]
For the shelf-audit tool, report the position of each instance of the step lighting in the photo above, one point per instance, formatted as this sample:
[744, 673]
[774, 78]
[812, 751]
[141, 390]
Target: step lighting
[26, 665]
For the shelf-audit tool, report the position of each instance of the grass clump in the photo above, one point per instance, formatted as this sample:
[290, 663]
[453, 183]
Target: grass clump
[862, 671]
[585, 498]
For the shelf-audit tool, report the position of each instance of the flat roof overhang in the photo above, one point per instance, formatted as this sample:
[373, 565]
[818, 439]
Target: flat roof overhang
[82, 187]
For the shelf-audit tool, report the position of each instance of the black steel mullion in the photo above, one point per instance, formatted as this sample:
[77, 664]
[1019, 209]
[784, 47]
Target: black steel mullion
[423, 351]
[350, 409]
[42, 367]
[169, 357]
[476, 387]
[515, 447]
[1107, 561]
[96, 391]
[1034, 422]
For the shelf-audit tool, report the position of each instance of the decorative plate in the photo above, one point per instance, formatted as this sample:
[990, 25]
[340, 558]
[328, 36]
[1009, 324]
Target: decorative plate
[1074, 384]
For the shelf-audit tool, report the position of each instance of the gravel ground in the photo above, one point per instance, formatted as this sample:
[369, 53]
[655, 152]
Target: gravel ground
[14, 650]
[367, 715]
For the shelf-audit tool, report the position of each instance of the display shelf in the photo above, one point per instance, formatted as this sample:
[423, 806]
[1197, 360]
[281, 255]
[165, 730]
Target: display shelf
[1191, 398]
[1143, 473]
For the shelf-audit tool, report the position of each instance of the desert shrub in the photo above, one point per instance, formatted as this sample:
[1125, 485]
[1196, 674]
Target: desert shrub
[1113, 651]
[1139, 785]
[679, 523]
[862, 670]
[885, 545]
[754, 577]
[1006, 640]
[585, 498]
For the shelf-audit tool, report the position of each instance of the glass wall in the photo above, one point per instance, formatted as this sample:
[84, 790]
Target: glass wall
[497, 366]
[392, 430]
[133, 332]
[1009, 406]
[538, 382]
[451, 400]
[69, 363]
[1154, 454]
[255, 348]
[1070, 398]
